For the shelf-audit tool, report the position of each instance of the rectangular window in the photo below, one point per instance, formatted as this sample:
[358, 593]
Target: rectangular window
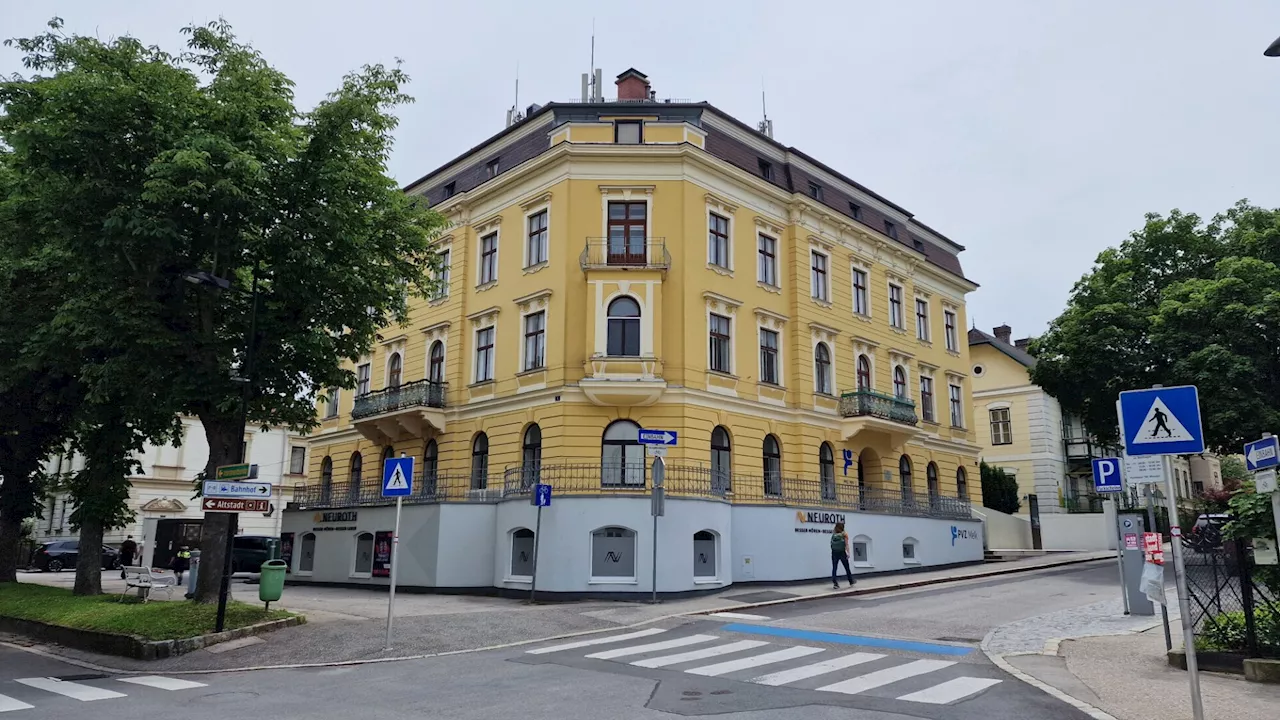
[628, 132]
[297, 460]
[818, 279]
[536, 248]
[891, 229]
[926, 398]
[628, 232]
[768, 252]
[861, 304]
[363, 373]
[484, 354]
[442, 275]
[535, 340]
[1001, 427]
[488, 258]
[491, 168]
[855, 211]
[957, 412]
[449, 190]
[895, 308]
[949, 319]
[718, 241]
[766, 169]
[331, 407]
[815, 191]
[769, 357]
[922, 319]
[721, 345]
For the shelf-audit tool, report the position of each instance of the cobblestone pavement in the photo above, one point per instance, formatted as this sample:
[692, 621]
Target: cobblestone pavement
[1101, 618]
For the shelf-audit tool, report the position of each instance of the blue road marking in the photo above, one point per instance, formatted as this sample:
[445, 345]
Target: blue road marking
[814, 636]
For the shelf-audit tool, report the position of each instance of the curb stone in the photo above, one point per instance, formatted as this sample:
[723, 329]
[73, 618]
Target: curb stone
[642, 623]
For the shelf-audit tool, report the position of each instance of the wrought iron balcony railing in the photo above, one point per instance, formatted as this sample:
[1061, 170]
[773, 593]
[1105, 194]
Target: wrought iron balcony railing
[869, 403]
[419, 393]
[634, 253]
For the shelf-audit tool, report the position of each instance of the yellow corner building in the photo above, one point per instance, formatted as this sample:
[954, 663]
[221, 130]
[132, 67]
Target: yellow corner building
[640, 264]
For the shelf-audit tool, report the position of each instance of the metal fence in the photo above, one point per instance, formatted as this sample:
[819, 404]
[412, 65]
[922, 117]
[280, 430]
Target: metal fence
[1235, 604]
[860, 403]
[649, 252]
[419, 393]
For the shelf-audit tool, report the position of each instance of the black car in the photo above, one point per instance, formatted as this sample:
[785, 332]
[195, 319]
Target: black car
[63, 554]
[250, 551]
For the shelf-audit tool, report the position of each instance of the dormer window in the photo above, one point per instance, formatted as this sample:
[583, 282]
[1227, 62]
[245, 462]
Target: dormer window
[628, 132]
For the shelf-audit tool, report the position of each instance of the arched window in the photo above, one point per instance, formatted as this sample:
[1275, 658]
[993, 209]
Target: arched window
[480, 462]
[931, 475]
[904, 476]
[435, 372]
[864, 373]
[621, 455]
[721, 461]
[822, 369]
[531, 456]
[962, 484]
[326, 479]
[899, 382]
[387, 453]
[704, 555]
[362, 563]
[624, 327]
[307, 560]
[772, 466]
[430, 466]
[827, 466]
[522, 553]
[613, 554]
[353, 482]
[395, 368]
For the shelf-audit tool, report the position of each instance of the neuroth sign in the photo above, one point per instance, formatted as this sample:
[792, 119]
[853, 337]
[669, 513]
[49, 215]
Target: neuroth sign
[1161, 421]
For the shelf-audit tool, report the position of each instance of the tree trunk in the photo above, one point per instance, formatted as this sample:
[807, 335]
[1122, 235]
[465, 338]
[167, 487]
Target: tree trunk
[17, 502]
[225, 436]
[10, 536]
[89, 563]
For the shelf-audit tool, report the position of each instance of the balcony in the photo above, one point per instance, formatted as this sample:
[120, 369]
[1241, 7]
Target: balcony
[612, 381]
[398, 413]
[867, 411]
[626, 254]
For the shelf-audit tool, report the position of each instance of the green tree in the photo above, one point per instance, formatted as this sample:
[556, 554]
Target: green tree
[999, 489]
[1181, 302]
[1234, 473]
[211, 168]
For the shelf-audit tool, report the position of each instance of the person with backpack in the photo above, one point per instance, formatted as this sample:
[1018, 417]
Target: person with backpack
[840, 554]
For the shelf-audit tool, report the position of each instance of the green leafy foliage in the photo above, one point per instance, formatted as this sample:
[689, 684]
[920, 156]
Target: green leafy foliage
[1181, 302]
[1225, 632]
[999, 489]
[1234, 473]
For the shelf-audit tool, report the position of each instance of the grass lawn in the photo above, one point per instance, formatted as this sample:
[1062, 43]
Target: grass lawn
[157, 620]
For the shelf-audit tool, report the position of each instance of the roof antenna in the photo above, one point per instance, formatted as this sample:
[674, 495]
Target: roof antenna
[591, 81]
[765, 126]
[514, 116]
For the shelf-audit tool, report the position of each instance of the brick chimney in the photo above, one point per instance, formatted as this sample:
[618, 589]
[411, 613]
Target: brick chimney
[633, 85]
[1003, 333]
[1022, 344]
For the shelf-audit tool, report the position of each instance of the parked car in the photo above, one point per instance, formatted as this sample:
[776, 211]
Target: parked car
[249, 552]
[63, 554]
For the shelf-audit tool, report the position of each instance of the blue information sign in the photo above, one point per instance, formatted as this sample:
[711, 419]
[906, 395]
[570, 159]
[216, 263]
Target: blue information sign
[657, 437]
[1106, 475]
[397, 477]
[542, 495]
[1261, 454]
[1161, 421]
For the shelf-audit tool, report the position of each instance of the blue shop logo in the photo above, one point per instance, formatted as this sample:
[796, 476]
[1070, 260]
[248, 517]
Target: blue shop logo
[962, 534]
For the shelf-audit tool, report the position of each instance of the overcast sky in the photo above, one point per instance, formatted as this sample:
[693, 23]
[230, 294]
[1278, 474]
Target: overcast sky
[1035, 133]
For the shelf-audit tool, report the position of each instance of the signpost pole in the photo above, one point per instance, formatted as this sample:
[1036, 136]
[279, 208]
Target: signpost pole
[537, 538]
[1184, 603]
[1124, 595]
[1151, 520]
[391, 595]
[1275, 505]
[657, 508]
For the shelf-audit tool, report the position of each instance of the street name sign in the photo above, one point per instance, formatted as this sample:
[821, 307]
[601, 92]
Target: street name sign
[657, 437]
[223, 489]
[1106, 475]
[397, 477]
[243, 471]
[1262, 453]
[234, 505]
[1162, 421]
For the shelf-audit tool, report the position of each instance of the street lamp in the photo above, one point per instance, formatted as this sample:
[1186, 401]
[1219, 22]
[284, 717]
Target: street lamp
[219, 284]
[1273, 50]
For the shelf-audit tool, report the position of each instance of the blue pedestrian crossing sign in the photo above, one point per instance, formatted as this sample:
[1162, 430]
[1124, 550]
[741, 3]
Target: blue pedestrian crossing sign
[1106, 475]
[542, 495]
[1262, 453]
[397, 477]
[1161, 421]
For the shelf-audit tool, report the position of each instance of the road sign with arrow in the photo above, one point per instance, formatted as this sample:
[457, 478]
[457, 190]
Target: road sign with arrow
[225, 489]
[1262, 453]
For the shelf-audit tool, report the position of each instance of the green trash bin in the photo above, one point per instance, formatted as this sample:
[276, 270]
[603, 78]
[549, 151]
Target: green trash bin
[271, 583]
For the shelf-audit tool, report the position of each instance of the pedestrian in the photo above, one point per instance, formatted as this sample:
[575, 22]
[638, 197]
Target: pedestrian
[181, 562]
[128, 549]
[840, 554]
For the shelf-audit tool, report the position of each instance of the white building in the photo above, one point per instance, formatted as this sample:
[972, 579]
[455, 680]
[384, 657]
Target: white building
[166, 511]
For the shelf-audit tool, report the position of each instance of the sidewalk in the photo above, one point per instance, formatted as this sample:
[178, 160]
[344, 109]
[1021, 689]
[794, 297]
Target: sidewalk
[348, 625]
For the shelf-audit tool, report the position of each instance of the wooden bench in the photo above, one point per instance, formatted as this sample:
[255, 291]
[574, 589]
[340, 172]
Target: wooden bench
[146, 580]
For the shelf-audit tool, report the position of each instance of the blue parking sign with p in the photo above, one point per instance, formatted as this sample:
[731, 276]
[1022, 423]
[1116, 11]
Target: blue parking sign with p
[1106, 475]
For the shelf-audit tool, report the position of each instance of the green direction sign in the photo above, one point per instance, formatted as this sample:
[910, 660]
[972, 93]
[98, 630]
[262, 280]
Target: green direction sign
[244, 471]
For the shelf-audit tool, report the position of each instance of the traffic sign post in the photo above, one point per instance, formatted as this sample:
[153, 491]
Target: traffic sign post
[397, 482]
[1166, 421]
[657, 508]
[541, 498]
[1265, 481]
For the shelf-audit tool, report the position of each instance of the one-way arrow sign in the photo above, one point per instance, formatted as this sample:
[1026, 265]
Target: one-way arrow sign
[1262, 453]
[657, 437]
[224, 489]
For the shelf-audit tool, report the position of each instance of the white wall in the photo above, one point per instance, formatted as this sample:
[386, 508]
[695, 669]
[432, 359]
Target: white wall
[1078, 531]
[1005, 531]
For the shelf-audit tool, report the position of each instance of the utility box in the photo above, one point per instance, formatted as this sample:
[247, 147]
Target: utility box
[1132, 527]
[271, 583]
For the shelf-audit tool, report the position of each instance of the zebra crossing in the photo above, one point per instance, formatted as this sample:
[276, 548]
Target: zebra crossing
[50, 687]
[822, 669]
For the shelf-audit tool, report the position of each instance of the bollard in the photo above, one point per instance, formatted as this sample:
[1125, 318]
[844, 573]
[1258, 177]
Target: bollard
[192, 573]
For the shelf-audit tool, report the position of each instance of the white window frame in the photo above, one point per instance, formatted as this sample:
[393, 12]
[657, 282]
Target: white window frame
[315, 545]
[355, 555]
[546, 238]
[901, 323]
[825, 297]
[829, 337]
[777, 281]
[927, 374]
[831, 369]
[475, 355]
[923, 332]
[444, 276]
[952, 334]
[1007, 435]
[524, 329]
[722, 213]
[434, 335]
[292, 452]
[865, 540]
[955, 382]
[854, 269]
[496, 232]
[760, 329]
[733, 350]
[635, 553]
[511, 553]
[915, 550]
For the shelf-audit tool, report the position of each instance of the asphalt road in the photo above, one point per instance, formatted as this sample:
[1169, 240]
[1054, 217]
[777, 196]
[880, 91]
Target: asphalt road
[910, 654]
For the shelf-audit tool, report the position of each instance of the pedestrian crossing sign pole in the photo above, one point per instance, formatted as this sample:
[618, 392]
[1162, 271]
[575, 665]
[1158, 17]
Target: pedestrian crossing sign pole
[1165, 421]
[397, 482]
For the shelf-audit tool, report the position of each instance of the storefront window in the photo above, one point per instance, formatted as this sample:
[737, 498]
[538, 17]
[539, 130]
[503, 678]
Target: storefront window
[522, 553]
[613, 554]
[364, 556]
[704, 554]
